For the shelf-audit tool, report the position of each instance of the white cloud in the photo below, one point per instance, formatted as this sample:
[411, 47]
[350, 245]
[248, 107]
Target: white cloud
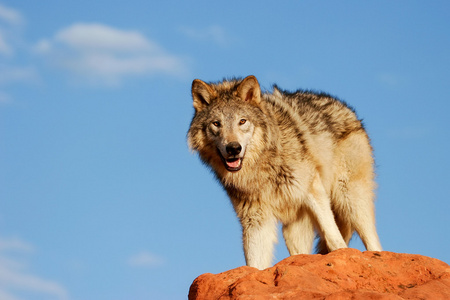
[14, 244]
[15, 277]
[5, 47]
[11, 42]
[213, 33]
[42, 47]
[10, 16]
[10, 74]
[145, 259]
[13, 75]
[99, 38]
[103, 54]
[4, 99]
[10, 21]
[6, 296]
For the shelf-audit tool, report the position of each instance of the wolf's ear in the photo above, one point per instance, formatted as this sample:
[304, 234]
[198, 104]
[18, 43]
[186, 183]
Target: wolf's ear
[249, 90]
[202, 94]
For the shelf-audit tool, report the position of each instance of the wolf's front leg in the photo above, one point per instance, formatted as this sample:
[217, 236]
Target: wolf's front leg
[299, 234]
[259, 235]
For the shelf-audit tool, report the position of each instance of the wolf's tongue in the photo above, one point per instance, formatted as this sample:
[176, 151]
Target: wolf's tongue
[234, 164]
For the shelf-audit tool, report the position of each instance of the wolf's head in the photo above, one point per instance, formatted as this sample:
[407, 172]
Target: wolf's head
[227, 114]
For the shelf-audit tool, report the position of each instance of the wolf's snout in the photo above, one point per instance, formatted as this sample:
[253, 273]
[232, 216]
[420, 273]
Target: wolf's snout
[233, 148]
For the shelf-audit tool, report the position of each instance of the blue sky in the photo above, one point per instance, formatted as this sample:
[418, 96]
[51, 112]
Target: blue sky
[100, 197]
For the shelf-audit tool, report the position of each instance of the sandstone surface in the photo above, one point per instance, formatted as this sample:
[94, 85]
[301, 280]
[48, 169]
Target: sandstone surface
[342, 274]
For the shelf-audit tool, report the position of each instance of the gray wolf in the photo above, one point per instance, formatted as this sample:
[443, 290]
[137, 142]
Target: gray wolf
[300, 158]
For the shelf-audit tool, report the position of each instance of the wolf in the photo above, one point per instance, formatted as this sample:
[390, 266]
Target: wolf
[302, 159]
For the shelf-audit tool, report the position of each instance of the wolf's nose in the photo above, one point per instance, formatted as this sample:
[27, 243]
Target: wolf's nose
[234, 148]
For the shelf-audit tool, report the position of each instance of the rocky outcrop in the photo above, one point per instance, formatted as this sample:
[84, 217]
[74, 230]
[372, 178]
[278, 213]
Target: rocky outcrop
[342, 274]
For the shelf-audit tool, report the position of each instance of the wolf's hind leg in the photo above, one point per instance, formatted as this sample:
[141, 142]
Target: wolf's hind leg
[299, 235]
[259, 235]
[356, 189]
[364, 223]
[362, 215]
[346, 230]
[320, 206]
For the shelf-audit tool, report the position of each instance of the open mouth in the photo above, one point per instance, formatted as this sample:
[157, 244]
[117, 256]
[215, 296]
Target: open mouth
[232, 164]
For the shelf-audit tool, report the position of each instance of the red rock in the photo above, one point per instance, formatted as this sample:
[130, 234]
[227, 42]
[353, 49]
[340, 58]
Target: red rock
[339, 275]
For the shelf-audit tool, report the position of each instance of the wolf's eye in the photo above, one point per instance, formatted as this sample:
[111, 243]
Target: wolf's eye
[217, 124]
[242, 121]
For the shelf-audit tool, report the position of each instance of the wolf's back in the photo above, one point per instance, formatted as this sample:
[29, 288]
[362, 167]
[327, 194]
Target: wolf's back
[314, 112]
